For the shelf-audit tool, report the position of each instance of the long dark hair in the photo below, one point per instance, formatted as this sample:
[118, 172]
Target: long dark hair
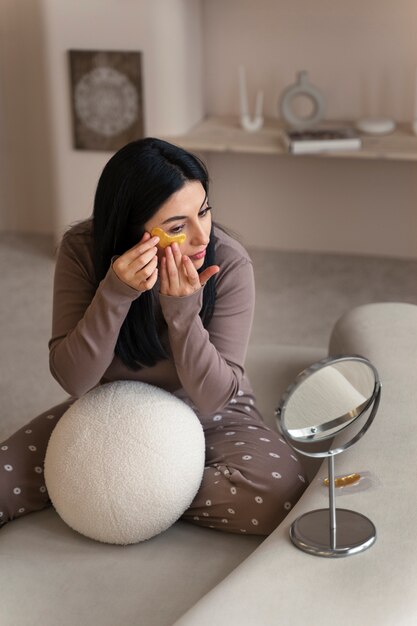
[134, 184]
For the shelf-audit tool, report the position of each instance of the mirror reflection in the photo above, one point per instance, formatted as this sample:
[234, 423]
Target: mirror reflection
[328, 400]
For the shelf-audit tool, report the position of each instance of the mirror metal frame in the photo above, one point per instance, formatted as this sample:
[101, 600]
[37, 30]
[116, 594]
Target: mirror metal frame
[313, 434]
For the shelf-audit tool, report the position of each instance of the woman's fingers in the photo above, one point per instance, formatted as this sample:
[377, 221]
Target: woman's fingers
[178, 275]
[176, 253]
[145, 244]
[142, 261]
[164, 282]
[174, 280]
[190, 271]
[208, 273]
[145, 277]
[153, 277]
[195, 277]
[136, 266]
[149, 268]
[142, 248]
[172, 268]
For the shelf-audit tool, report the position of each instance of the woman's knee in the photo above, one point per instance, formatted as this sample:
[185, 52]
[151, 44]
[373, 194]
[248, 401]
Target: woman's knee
[234, 501]
[22, 485]
[278, 496]
[265, 503]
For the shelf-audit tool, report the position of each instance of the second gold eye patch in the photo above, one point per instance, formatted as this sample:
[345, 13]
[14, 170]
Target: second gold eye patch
[165, 239]
[344, 481]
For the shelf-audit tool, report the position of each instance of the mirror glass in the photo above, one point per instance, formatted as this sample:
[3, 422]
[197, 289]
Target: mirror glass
[327, 398]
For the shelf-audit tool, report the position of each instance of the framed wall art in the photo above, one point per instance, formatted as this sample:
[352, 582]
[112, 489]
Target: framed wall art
[106, 98]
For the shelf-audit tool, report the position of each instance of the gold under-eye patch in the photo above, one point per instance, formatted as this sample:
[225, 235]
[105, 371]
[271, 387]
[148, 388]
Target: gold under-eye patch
[344, 481]
[165, 239]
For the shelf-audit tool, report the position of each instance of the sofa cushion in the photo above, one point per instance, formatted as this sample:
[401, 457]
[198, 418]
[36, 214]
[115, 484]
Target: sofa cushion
[279, 584]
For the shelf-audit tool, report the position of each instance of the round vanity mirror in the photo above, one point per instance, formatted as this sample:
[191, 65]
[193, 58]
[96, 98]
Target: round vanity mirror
[326, 410]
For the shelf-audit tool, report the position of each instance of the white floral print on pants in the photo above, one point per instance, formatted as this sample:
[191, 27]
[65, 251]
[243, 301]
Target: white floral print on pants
[252, 477]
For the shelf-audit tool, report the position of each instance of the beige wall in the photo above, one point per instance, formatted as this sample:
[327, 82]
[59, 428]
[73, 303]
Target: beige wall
[361, 54]
[26, 179]
[39, 34]
[172, 89]
[314, 204]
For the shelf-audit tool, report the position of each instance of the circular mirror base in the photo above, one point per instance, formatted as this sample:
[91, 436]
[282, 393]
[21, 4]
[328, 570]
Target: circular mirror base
[354, 533]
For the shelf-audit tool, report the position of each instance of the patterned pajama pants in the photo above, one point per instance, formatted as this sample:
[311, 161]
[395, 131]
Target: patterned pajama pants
[251, 479]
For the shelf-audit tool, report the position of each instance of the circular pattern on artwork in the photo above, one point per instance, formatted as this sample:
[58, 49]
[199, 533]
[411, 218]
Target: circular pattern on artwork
[106, 101]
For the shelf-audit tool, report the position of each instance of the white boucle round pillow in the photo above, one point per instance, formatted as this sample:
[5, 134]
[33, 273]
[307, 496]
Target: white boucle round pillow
[124, 462]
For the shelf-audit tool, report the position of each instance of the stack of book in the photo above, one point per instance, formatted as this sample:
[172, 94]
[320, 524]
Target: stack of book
[315, 140]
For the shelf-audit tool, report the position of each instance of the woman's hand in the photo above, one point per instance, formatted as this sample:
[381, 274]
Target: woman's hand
[138, 267]
[178, 275]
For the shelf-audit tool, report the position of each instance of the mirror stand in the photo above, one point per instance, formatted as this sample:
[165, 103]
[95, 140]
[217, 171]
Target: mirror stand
[338, 395]
[332, 532]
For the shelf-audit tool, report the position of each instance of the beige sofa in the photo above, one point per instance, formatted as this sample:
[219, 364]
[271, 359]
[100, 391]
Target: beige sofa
[52, 576]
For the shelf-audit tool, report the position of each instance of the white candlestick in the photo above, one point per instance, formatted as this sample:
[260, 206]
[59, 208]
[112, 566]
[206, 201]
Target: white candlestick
[249, 124]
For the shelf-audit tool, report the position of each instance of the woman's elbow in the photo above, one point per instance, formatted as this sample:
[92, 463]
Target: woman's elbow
[211, 403]
[71, 385]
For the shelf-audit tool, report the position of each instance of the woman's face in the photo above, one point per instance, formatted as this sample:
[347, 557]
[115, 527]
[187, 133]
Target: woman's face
[186, 211]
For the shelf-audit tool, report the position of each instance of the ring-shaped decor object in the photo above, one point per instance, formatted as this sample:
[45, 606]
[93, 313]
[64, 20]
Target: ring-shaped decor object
[302, 88]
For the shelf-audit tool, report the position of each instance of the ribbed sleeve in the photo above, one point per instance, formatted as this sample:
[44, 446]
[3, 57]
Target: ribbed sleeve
[210, 362]
[86, 321]
[204, 364]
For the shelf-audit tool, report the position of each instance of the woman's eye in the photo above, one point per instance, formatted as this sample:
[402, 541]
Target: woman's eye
[176, 229]
[204, 212]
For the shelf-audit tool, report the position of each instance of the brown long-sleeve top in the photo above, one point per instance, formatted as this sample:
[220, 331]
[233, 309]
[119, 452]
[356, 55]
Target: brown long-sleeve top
[205, 365]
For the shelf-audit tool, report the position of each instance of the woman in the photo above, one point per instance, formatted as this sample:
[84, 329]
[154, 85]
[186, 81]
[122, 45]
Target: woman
[177, 317]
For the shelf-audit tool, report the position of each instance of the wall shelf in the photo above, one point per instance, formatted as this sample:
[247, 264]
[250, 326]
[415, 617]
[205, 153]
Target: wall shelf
[225, 135]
